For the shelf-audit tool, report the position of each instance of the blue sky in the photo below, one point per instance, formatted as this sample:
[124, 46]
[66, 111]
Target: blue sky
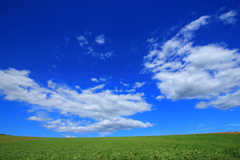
[119, 68]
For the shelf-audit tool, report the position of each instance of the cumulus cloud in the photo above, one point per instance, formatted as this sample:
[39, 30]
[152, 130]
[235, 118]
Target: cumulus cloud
[229, 17]
[107, 125]
[184, 71]
[100, 39]
[160, 97]
[102, 106]
[94, 79]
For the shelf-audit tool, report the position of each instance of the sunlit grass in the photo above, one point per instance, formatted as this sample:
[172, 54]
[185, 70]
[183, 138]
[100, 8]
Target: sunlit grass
[204, 146]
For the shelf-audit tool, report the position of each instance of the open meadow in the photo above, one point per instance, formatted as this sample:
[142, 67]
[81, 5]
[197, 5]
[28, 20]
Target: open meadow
[197, 146]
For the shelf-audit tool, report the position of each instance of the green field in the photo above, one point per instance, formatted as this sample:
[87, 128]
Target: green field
[200, 146]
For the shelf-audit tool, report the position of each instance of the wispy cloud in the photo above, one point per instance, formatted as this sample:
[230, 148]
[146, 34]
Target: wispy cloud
[186, 71]
[152, 40]
[130, 90]
[229, 17]
[92, 103]
[106, 55]
[102, 56]
[234, 124]
[125, 84]
[138, 84]
[102, 79]
[82, 40]
[77, 87]
[100, 39]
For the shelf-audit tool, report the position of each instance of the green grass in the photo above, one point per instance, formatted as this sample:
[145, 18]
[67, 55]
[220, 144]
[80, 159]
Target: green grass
[202, 146]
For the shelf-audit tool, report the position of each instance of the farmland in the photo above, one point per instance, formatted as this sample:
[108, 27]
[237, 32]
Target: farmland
[196, 146]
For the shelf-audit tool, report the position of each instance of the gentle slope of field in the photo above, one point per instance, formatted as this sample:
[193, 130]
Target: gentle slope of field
[201, 146]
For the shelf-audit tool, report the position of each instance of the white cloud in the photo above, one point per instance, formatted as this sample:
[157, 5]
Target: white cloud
[173, 28]
[131, 90]
[138, 84]
[160, 97]
[109, 54]
[100, 39]
[184, 71]
[39, 119]
[102, 56]
[30, 111]
[106, 125]
[95, 88]
[152, 40]
[94, 79]
[234, 124]
[229, 17]
[67, 136]
[82, 40]
[41, 116]
[77, 87]
[102, 79]
[100, 105]
[90, 49]
[125, 84]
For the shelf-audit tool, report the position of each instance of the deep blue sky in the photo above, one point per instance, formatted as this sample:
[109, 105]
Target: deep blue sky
[158, 67]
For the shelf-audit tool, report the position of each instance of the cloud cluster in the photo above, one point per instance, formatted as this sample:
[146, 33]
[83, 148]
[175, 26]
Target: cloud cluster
[184, 71]
[90, 47]
[103, 106]
[96, 80]
[135, 85]
[100, 39]
[82, 40]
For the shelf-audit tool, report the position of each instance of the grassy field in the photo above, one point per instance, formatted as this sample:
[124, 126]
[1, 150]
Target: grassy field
[200, 146]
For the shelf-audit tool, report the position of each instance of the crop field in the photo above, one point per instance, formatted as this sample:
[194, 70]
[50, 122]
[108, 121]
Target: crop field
[198, 146]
